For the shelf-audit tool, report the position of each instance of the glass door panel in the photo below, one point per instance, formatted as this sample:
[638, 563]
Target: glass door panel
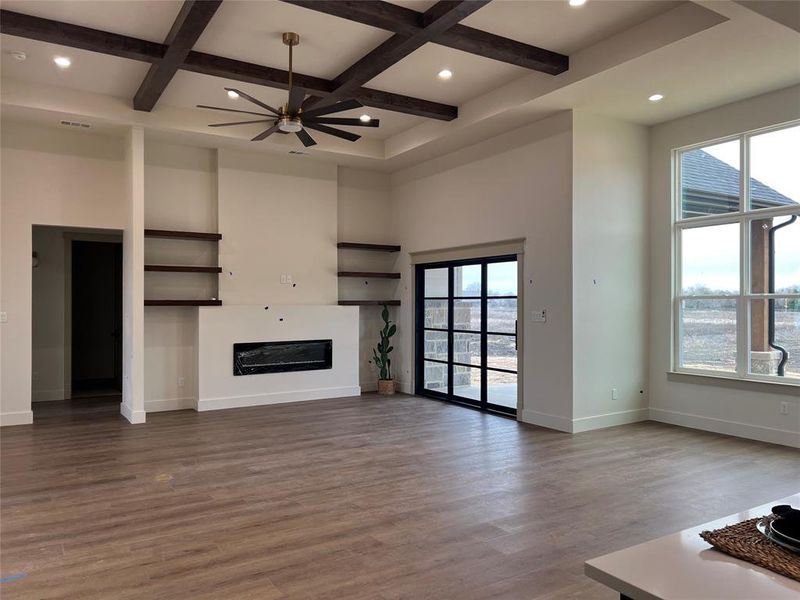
[467, 332]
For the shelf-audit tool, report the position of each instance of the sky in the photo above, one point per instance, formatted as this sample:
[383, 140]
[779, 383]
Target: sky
[711, 255]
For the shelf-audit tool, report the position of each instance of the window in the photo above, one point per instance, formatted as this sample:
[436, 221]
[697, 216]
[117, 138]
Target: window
[737, 256]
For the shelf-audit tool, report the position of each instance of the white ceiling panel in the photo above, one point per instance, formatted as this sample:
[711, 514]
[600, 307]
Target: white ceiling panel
[144, 19]
[89, 71]
[416, 75]
[557, 26]
[251, 32]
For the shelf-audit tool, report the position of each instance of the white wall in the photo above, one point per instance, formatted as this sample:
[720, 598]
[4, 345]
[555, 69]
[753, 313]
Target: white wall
[736, 408]
[277, 216]
[49, 176]
[48, 324]
[518, 185]
[132, 406]
[609, 270]
[365, 215]
[180, 184]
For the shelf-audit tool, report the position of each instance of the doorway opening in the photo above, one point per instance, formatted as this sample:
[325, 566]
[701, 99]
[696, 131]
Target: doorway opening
[466, 332]
[76, 319]
[96, 318]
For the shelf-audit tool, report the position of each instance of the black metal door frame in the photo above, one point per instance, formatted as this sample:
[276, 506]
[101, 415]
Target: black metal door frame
[419, 361]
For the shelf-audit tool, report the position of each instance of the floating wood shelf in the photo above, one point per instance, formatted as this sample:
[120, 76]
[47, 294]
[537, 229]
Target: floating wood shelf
[182, 269]
[366, 274]
[373, 247]
[369, 302]
[183, 235]
[183, 302]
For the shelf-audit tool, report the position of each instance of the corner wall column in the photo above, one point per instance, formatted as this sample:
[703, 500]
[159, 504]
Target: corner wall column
[132, 407]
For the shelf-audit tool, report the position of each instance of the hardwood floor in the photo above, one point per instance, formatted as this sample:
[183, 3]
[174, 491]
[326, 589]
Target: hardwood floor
[360, 498]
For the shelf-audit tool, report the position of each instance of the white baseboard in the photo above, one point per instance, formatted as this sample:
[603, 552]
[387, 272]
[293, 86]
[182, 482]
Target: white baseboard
[134, 416]
[545, 420]
[622, 417]
[784, 437]
[167, 404]
[277, 398]
[47, 395]
[23, 417]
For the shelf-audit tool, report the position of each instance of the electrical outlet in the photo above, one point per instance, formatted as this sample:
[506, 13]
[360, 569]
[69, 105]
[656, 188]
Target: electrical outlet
[784, 408]
[283, 278]
[181, 381]
[614, 394]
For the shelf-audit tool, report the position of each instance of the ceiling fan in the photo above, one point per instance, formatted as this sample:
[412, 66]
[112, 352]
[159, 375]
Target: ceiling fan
[292, 118]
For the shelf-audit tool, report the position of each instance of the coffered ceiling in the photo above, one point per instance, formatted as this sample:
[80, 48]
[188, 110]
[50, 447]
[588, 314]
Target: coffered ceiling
[620, 51]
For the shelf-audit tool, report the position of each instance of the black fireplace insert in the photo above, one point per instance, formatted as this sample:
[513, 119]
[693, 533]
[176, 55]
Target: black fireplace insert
[252, 358]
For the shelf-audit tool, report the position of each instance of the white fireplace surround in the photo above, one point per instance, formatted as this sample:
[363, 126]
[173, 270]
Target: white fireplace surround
[220, 327]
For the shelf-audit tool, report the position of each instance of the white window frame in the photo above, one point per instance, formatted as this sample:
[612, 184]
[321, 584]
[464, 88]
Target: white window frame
[743, 299]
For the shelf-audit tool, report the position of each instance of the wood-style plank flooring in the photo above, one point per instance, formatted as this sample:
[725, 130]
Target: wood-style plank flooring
[360, 498]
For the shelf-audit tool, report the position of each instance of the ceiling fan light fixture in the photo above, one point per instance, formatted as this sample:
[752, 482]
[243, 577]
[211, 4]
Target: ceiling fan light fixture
[290, 124]
[232, 95]
[365, 118]
[445, 74]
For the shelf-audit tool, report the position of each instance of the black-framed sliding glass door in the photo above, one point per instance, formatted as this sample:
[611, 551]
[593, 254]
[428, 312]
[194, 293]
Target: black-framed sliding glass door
[466, 332]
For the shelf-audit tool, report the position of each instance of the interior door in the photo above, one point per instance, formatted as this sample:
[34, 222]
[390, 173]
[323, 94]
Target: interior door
[466, 338]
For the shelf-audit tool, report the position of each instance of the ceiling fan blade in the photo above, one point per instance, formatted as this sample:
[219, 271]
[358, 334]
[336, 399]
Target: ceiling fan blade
[242, 123]
[343, 121]
[253, 100]
[245, 112]
[265, 134]
[311, 101]
[333, 108]
[305, 138]
[346, 135]
[296, 96]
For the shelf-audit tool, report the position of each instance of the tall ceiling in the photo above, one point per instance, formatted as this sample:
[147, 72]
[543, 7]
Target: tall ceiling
[621, 51]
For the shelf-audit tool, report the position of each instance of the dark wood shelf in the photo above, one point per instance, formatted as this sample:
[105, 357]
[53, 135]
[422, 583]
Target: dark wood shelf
[369, 302]
[182, 269]
[367, 274]
[372, 247]
[183, 302]
[183, 235]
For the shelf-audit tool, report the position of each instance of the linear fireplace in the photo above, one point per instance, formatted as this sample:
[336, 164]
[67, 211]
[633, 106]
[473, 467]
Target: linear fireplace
[252, 358]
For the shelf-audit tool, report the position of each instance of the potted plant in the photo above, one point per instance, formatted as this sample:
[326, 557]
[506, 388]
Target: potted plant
[380, 355]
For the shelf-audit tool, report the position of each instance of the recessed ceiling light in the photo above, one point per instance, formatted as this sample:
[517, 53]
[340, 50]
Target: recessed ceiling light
[62, 61]
[232, 94]
[445, 74]
[656, 98]
[365, 118]
[577, 2]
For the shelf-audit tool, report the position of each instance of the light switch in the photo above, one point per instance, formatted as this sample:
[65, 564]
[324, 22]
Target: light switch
[3, 317]
[539, 316]
[283, 278]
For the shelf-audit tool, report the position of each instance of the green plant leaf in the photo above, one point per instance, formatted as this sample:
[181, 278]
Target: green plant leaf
[392, 331]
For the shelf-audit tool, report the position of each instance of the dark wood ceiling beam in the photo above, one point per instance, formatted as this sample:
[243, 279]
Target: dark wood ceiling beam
[75, 36]
[440, 17]
[398, 19]
[496, 47]
[375, 13]
[193, 18]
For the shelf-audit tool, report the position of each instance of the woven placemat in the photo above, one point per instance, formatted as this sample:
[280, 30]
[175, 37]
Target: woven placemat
[744, 541]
